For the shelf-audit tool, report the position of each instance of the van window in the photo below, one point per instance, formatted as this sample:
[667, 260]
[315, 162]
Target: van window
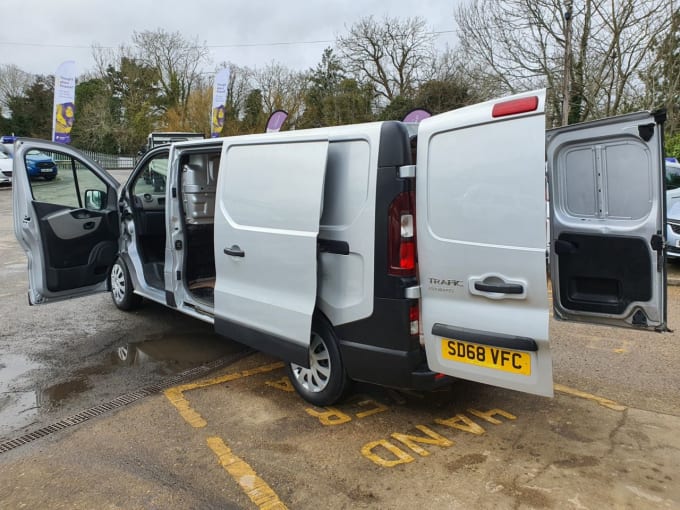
[59, 179]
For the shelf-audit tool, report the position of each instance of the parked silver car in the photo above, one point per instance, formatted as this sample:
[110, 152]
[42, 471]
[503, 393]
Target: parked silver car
[673, 209]
[5, 167]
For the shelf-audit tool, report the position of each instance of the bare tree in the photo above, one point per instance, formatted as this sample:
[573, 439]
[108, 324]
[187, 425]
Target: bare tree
[177, 61]
[394, 55]
[520, 44]
[13, 83]
[662, 79]
[282, 88]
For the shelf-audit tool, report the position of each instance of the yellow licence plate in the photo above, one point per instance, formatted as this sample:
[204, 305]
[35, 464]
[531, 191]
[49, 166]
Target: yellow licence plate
[497, 358]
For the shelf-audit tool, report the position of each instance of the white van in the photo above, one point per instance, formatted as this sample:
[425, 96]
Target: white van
[336, 251]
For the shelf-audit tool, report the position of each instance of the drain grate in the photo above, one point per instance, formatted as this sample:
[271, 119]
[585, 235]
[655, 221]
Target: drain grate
[122, 401]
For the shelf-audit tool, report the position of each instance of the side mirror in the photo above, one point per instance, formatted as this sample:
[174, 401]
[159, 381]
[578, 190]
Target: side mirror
[95, 199]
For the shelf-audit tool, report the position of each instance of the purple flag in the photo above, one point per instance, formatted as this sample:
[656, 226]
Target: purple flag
[276, 120]
[416, 115]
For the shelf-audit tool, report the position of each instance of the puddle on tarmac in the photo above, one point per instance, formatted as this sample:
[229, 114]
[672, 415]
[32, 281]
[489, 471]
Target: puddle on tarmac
[55, 394]
[21, 401]
[173, 353]
[17, 406]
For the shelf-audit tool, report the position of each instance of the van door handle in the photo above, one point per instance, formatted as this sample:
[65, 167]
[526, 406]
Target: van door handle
[500, 288]
[89, 225]
[234, 251]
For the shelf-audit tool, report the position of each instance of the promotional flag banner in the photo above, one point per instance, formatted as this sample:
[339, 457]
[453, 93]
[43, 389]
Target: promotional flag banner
[64, 102]
[416, 115]
[220, 87]
[276, 120]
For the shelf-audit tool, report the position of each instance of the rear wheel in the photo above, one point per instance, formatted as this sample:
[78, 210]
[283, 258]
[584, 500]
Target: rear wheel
[122, 290]
[325, 381]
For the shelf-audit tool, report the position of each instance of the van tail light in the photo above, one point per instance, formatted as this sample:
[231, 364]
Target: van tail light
[401, 237]
[515, 106]
[414, 319]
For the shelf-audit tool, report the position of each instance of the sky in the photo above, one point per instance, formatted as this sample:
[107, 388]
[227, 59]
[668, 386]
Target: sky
[37, 35]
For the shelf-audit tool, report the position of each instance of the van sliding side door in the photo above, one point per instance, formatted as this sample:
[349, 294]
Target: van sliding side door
[480, 207]
[608, 216]
[268, 208]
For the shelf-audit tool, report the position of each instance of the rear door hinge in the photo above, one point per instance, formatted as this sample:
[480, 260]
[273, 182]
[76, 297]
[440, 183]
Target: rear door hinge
[407, 171]
[412, 292]
[178, 245]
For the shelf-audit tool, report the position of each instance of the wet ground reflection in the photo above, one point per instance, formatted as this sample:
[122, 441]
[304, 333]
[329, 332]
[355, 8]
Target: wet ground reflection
[170, 354]
[22, 397]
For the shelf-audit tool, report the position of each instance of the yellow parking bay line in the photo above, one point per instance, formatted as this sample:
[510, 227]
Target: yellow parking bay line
[605, 402]
[176, 394]
[255, 487]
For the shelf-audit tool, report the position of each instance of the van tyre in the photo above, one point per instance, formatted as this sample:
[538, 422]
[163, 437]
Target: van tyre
[325, 381]
[122, 290]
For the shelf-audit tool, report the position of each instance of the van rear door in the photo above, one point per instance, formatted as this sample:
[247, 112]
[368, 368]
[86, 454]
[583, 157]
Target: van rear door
[608, 216]
[480, 207]
[267, 213]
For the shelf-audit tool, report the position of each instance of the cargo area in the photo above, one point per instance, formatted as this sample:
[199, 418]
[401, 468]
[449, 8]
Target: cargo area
[198, 183]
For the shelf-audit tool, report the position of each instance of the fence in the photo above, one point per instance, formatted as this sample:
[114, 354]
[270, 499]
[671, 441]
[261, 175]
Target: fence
[111, 161]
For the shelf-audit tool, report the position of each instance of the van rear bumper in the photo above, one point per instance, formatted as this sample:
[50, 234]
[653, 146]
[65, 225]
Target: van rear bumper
[427, 380]
[390, 367]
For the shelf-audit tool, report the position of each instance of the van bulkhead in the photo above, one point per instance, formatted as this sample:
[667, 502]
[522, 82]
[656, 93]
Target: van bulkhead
[351, 255]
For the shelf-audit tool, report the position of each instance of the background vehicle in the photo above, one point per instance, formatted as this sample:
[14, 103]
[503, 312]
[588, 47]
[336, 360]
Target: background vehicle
[673, 209]
[5, 168]
[160, 138]
[156, 174]
[39, 164]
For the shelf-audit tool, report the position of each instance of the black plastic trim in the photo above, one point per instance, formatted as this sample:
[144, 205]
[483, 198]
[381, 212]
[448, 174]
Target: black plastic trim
[234, 251]
[517, 343]
[265, 342]
[501, 288]
[395, 152]
[170, 299]
[333, 246]
[646, 131]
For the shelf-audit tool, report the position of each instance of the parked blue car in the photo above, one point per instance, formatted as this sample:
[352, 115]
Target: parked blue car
[37, 163]
[40, 165]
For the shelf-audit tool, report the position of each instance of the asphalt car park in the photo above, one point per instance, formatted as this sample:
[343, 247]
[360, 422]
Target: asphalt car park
[239, 437]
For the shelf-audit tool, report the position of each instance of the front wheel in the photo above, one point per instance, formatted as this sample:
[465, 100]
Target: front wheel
[325, 381]
[122, 291]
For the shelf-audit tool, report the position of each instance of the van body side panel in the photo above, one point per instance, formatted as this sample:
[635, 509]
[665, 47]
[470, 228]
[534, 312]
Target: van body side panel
[379, 348]
[481, 243]
[266, 226]
[345, 285]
